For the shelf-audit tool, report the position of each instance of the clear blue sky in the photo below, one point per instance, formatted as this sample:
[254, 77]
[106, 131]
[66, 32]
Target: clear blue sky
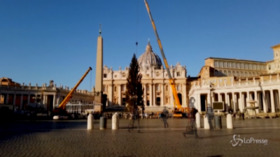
[42, 40]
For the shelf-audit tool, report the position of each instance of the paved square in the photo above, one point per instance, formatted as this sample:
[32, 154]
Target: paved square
[253, 137]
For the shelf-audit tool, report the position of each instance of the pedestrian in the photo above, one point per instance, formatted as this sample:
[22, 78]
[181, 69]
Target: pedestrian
[193, 129]
[164, 116]
[135, 117]
[210, 116]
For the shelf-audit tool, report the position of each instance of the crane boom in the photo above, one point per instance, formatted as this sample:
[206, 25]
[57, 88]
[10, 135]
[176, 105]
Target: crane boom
[62, 105]
[171, 80]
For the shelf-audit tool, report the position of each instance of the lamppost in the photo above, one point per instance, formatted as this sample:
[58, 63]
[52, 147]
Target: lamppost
[211, 94]
[209, 111]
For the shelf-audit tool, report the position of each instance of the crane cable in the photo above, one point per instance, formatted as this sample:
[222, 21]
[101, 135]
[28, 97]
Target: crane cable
[137, 28]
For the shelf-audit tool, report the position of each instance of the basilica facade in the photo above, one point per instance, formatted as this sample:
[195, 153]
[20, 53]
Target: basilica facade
[155, 83]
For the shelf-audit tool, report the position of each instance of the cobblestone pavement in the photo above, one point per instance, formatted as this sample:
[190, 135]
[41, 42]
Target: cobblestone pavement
[253, 137]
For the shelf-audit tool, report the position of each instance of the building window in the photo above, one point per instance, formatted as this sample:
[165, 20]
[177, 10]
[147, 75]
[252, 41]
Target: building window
[123, 101]
[250, 66]
[148, 102]
[233, 65]
[225, 64]
[246, 66]
[221, 64]
[178, 87]
[158, 101]
[157, 87]
[105, 75]
[122, 88]
[242, 66]
[123, 75]
[178, 74]
[216, 64]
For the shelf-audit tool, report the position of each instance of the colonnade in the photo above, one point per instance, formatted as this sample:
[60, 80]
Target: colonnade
[154, 94]
[266, 99]
[50, 97]
[20, 100]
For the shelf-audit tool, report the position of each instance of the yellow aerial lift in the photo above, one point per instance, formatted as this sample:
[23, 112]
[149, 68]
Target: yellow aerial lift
[61, 109]
[178, 110]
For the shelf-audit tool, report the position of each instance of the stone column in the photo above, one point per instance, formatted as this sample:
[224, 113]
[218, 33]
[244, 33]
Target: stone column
[110, 94]
[119, 94]
[247, 99]
[171, 97]
[36, 98]
[198, 102]
[151, 94]
[54, 100]
[272, 101]
[227, 101]
[154, 95]
[212, 94]
[278, 103]
[162, 95]
[256, 100]
[44, 99]
[234, 96]
[219, 97]
[241, 104]
[208, 99]
[145, 95]
[264, 103]
[184, 94]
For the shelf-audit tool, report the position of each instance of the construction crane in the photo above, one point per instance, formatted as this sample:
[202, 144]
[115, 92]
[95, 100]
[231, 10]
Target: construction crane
[61, 109]
[177, 105]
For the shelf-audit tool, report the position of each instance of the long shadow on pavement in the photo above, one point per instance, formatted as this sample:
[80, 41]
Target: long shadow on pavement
[19, 128]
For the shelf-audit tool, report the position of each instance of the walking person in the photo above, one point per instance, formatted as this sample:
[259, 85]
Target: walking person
[135, 117]
[210, 116]
[193, 129]
[164, 116]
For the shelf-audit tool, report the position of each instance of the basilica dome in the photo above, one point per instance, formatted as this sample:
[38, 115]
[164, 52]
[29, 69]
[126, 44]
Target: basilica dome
[149, 59]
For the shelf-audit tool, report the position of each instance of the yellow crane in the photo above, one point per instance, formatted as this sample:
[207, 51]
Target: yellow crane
[61, 109]
[178, 106]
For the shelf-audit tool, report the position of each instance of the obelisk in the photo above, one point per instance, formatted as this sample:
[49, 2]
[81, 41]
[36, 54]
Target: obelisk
[99, 69]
